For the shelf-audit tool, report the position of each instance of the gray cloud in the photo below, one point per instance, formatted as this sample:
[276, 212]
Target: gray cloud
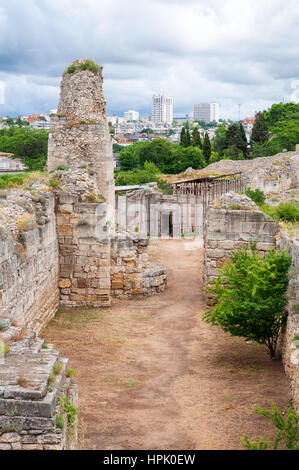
[226, 51]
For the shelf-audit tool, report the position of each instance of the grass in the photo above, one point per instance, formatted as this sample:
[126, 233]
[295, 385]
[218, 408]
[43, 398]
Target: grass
[20, 180]
[70, 373]
[13, 181]
[71, 318]
[59, 421]
[88, 64]
[130, 383]
[57, 368]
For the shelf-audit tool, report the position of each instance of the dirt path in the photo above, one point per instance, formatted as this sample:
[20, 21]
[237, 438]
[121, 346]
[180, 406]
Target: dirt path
[152, 375]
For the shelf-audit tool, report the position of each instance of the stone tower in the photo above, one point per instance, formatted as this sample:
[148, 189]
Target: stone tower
[79, 134]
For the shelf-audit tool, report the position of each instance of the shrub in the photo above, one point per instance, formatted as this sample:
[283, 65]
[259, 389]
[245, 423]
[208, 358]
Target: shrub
[249, 297]
[287, 430]
[257, 196]
[288, 212]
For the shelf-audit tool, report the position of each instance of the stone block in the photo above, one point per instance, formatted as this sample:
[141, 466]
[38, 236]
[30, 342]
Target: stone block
[116, 284]
[65, 283]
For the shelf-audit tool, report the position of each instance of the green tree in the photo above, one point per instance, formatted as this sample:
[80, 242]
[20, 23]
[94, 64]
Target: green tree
[260, 131]
[30, 145]
[219, 141]
[129, 157]
[244, 141]
[183, 137]
[206, 148]
[233, 153]
[196, 140]
[281, 112]
[250, 297]
[188, 138]
[234, 138]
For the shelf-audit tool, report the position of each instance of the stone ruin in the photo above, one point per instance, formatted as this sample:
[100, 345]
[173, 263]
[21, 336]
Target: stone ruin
[61, 247]
[79, 134]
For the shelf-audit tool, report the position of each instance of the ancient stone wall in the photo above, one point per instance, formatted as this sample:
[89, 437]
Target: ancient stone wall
[158, 215]
[290, 341]
[84, 253]
[29, 293]
[275, 174]
[79, 133]
[232, 226]
[131, 272]
[36, 394]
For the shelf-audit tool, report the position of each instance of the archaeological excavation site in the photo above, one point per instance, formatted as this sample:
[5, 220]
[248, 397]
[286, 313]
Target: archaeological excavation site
[102, 292]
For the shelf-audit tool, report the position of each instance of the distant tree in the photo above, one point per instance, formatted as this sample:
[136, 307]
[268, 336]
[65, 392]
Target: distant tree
[196, 140]
[260, 131]
[281, 112]
[147, 130]
[129, 157]
[219, 141]
[9, 121]
[206, 148]
[244, 140]
[234, 138]
[233, 153]
[188, 138]
[30, 145]
[215, 157]
[183, 137]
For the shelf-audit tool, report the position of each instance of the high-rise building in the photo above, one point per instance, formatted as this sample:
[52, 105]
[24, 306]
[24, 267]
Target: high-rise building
[162, 109]
[207, 112]
[131, 115]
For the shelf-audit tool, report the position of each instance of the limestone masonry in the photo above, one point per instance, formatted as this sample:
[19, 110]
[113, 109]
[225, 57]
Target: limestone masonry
[79, 133]
[61, 247]
[64, 243]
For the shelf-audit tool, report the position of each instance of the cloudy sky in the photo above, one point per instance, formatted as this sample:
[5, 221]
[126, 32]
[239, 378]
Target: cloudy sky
[226, 51]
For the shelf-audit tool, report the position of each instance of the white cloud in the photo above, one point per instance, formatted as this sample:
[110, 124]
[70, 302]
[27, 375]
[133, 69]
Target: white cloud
[226, 51]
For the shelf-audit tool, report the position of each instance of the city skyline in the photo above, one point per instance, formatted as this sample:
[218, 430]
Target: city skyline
[198, 53]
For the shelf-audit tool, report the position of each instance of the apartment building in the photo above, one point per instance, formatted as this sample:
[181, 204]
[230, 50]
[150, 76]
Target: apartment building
[207, 112]
[162, 108]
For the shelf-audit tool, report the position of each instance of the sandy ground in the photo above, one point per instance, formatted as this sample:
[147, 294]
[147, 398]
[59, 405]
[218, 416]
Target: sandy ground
[152, 375]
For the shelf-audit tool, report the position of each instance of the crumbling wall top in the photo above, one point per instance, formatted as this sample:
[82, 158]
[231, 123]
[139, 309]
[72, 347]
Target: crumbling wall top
[81, 93]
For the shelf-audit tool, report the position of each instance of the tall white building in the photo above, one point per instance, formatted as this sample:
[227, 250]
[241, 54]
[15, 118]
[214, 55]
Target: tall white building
[207, 112]
[162, 109]
[131, 115]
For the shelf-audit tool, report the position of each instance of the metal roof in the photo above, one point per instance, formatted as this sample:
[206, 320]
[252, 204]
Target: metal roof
[205, 178]
[129, 188]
